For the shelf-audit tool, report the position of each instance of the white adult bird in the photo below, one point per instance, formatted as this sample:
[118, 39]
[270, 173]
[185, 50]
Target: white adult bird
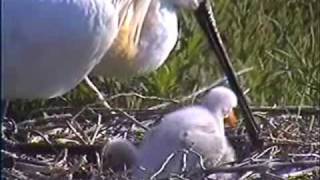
[49, 46]
[133, 54]
[139, 53]
[199, 128]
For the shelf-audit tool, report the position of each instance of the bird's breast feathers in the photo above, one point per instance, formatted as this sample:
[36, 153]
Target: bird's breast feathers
[124, 47]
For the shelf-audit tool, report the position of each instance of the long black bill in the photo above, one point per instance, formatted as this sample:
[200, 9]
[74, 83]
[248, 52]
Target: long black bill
[204, 15]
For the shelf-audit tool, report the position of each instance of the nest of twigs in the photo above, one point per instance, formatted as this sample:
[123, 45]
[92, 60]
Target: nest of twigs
[66, 143]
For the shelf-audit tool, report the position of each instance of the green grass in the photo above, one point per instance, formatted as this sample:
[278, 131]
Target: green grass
[278, 39]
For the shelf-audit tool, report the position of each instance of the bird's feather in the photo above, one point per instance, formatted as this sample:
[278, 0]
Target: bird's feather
[125, 45]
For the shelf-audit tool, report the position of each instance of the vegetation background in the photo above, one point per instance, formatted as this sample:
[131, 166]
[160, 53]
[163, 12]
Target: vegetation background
[277, 39]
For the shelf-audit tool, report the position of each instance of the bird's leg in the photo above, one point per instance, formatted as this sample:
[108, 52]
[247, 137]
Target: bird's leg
[96, 90]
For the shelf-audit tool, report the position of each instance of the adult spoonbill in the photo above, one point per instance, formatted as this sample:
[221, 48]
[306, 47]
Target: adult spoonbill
[133, 54]
[199, 128]
[49, 46]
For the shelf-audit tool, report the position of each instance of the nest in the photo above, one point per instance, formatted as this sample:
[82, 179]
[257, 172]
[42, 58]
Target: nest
[66, 143]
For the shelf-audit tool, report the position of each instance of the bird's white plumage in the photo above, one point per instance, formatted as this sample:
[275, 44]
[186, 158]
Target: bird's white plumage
[220, 99]
[49, 46]
[157, 39]
[197, 127]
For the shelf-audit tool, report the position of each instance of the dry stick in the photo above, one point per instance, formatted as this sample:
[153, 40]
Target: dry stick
[281, 141]
[74, 126]
[304, 155]
[80, 130]
[200, 91]
[44, 121]
[11, 160]
[163, 166]
[248, 175]
[76, 132]
[287, 109]
[312, 123]
[45, 138]
[61, 158]
[184, 161]
[32, 168]
[207, 22]
[75, 167]
[133, 119]
[257, 156]
[104, 102]
[78, 114]
[142, 97]
[300, 173]
[262, 166]
[271, 176]
[96, 90]
[22, 147]
[14, 174]
[97, 129]
[54, 109]
[36, 148]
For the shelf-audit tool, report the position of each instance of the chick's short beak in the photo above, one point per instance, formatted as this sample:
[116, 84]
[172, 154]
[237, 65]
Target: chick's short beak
[231, 120]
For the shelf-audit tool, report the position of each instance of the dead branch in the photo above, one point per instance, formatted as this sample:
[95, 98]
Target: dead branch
[262, 167]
